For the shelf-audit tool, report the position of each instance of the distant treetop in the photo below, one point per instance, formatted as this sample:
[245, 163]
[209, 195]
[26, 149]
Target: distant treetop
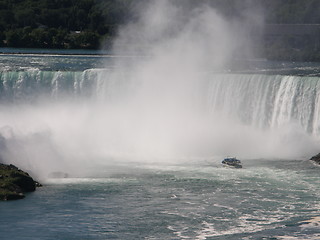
[88, 23]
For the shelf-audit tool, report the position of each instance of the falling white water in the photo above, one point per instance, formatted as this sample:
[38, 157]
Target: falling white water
[268, 102]
[253, 116]
[168, 105]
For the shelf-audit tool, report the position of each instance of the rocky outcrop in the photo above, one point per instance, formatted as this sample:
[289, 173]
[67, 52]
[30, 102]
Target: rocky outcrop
[316, 158]
[15, 182]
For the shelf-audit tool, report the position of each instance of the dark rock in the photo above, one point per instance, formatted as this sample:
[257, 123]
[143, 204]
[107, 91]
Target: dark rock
[316, 158]
[38, 184]
[25, 182]
[14, 196]
[15, 182]
[13, 167]
[10, 191]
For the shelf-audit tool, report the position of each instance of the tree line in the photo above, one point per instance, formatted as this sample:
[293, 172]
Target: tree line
[88, 23]
[60, 23]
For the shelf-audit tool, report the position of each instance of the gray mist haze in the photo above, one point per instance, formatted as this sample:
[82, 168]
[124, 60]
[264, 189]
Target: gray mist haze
[153, 109]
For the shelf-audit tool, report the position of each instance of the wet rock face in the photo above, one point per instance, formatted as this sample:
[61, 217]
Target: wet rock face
[14, 182]
[316, 158]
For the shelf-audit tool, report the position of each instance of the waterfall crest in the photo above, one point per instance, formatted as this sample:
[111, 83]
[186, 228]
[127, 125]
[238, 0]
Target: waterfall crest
[267, 101]
[262, 101]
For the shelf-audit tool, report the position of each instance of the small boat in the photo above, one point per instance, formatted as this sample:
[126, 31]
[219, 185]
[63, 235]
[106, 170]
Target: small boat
[58, 175]
[232, 162]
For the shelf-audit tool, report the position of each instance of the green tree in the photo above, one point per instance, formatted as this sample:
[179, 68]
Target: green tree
[13, 38]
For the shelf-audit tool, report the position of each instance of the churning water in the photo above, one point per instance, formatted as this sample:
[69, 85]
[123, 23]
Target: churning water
[142, 150]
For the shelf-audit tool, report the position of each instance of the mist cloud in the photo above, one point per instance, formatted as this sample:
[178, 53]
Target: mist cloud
[151, 107]
[195, 38]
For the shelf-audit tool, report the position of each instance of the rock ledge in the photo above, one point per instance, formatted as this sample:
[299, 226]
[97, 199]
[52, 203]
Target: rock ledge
[15, 182]
[316, 158]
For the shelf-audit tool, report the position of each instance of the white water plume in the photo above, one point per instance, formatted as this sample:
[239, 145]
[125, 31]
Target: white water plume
[155, 107]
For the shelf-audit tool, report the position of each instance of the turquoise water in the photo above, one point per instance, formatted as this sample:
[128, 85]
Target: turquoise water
[138, 167]
[264, 200]
[50, 61]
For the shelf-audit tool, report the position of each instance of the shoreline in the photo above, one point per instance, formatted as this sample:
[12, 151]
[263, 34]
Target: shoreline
[14, 183]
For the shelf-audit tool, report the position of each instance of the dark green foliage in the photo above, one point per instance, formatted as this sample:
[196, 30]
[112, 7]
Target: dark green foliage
[83, 40]
[54, 23]
[14, 183]
[87, 23]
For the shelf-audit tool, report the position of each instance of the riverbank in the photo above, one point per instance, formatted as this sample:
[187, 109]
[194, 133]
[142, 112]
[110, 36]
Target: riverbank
[14, 183]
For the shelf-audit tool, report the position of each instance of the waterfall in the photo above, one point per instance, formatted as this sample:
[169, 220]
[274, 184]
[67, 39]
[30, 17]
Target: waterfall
[66, 117]
[262, 101]
[267, 101]
[32, 84]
